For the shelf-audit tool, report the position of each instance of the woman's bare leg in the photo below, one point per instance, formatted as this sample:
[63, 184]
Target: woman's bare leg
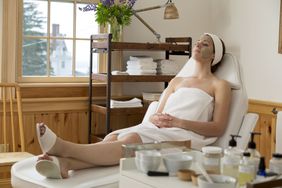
[102, 153]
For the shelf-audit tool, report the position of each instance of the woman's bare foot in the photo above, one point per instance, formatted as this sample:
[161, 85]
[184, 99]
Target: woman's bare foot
[62, 163]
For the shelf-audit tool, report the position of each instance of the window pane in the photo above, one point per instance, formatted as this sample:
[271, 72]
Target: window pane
[61, 57]
[85, 23]
[61, 19]
[35, 18]
[34, 57]
[82, 58]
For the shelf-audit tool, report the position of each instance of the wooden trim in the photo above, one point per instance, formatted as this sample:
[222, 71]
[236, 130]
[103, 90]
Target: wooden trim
[60, 90]
[264, 107]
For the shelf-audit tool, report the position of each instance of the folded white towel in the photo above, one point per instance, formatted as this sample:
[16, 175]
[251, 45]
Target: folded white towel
[119, 72]
[164, 61]
[135, 102]
[151, 66]
[144, 70]
[140, 63]
[141, 58]
[141, 72]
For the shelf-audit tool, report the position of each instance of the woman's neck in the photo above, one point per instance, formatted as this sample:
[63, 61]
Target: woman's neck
[202, 70]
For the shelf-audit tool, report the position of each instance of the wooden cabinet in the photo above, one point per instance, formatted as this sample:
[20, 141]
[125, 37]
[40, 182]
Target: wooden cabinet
[101, 43]
[266, 125]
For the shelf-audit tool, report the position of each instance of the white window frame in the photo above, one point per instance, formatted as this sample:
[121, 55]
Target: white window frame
[41, 79]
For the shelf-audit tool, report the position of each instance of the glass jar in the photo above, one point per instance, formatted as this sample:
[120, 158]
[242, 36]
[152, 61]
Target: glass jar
[275, 164]
[212, 159]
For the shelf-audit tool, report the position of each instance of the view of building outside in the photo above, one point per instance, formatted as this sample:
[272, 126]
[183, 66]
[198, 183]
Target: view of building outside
[60, 48]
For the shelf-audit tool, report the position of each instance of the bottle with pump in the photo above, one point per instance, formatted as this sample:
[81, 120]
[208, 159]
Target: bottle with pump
[231, 159]
[246, 169]
[255, 155]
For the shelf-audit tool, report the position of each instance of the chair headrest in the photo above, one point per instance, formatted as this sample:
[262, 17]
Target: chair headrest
[228, 70]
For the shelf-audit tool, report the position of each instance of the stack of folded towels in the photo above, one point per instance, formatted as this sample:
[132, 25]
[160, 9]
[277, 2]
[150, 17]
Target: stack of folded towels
[135, 102]
[141, 65]
[166, 66]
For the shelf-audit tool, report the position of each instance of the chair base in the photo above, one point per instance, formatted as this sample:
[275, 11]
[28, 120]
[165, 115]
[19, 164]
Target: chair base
[24, 175]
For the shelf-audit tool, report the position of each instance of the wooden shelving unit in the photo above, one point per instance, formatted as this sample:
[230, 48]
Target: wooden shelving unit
[101, 43]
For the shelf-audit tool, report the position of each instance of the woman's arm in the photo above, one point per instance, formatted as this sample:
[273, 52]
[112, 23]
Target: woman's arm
[217, 126]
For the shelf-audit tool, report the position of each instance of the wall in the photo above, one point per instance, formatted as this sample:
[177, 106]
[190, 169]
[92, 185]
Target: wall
[249, 28]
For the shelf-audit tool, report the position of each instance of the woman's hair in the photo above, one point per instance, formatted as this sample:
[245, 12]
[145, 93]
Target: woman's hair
[215, 67]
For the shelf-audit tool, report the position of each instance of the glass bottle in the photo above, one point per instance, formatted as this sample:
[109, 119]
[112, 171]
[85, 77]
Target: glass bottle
[246, 169]
[231, 159]
[275, 164]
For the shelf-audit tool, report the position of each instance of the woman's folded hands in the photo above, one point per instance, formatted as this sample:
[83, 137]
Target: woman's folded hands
[163, 120]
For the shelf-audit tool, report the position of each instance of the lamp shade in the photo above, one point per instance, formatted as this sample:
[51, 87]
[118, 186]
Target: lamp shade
[171, 12]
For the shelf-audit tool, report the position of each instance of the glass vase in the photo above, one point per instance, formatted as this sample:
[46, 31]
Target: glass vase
[116, 30]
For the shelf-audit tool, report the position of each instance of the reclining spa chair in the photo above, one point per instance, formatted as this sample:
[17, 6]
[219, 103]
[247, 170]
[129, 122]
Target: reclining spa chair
[25, 175]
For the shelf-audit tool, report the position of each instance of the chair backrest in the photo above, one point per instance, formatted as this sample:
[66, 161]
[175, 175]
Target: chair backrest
[230, 71]
[11, 129]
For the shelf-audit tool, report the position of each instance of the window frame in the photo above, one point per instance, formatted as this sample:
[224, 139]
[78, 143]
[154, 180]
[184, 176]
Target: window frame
[52, 79]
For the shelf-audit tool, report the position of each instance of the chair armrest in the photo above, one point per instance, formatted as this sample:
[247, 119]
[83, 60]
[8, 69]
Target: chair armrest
[248, 125]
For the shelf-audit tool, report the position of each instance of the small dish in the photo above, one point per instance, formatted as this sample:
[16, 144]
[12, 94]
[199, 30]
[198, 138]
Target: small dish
[147, 160]
[220, 181]
[176, 161]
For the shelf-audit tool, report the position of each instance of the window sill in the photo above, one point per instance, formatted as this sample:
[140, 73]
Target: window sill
[34, 85]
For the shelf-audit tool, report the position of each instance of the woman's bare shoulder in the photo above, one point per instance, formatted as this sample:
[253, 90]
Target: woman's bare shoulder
[221, 84]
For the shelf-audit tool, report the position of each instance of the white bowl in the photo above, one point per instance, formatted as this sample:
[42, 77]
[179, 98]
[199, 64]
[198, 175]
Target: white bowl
[147, 154]
[147, 160]
[176, 161]
[147, 165]
[220, 181]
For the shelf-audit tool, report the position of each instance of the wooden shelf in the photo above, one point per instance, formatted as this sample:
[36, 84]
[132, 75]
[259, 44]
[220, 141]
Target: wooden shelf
[133, 78]
[102, 109]
[132, 46]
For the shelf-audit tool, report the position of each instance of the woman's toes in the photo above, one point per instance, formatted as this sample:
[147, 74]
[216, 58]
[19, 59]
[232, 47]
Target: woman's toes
[64, 168]
[42, 129]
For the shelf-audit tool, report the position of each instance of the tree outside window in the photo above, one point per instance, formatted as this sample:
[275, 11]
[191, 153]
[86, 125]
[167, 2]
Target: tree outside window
[55, 39]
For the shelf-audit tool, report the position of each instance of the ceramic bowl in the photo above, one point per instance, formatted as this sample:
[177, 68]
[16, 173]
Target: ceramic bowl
[220, 181]
[176, 161]
[147, 160]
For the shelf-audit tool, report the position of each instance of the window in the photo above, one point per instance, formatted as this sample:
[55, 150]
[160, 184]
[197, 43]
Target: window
[55, 40]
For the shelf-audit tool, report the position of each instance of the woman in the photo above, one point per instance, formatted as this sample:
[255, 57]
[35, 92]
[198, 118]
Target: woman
[194, 107]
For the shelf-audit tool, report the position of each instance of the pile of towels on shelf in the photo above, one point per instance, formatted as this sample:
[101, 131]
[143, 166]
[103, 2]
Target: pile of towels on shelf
[166, 66]
[135, 102]
[145, 65]
[141, 65]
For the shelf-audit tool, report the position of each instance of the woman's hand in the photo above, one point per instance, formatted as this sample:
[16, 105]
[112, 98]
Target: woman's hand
[163, 120]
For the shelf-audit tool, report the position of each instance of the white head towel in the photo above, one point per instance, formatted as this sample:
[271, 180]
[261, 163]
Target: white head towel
[218, 48]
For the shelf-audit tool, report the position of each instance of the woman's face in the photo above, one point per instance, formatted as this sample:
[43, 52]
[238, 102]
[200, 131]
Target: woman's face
[203, 49]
